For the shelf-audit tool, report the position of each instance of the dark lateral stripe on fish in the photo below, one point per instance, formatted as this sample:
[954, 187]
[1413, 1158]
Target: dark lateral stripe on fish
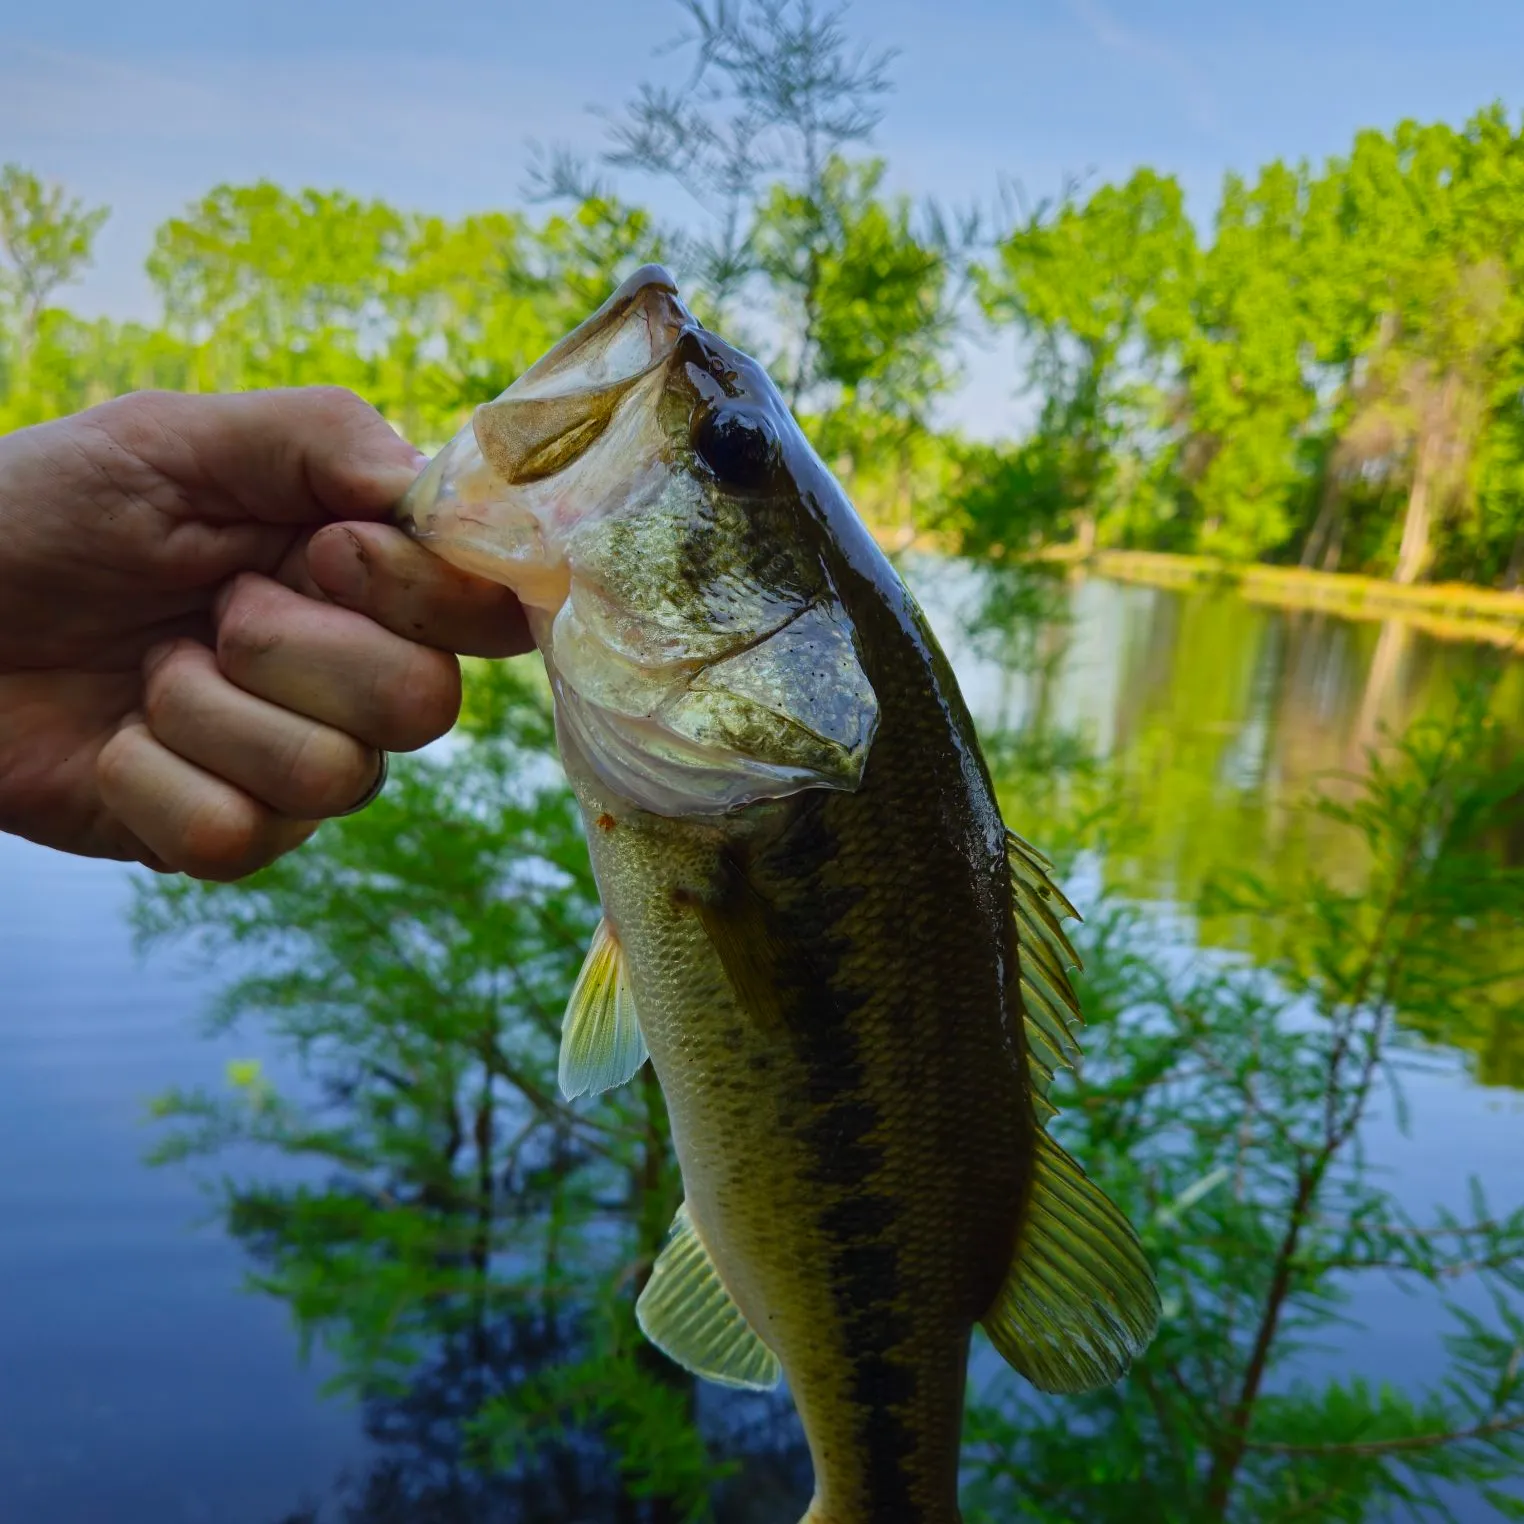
[864, 1272]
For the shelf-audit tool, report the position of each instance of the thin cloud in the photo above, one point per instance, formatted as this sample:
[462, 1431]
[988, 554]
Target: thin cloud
[1201, 105]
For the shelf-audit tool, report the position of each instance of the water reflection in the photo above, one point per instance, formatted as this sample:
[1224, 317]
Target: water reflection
[430, 1471]
[1220, 718]
[1209, 718]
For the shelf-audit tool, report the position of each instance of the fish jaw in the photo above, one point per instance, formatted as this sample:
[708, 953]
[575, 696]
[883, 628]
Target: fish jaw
[563, 442]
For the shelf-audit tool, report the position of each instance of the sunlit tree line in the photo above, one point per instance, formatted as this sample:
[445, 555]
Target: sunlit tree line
[1330, 374]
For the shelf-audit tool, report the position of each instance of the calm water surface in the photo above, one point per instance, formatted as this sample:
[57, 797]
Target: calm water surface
[140, 1384]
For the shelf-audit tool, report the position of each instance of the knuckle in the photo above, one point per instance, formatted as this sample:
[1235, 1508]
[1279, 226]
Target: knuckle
[337, 404]
[246, 631]
[134, 415]
[114, 762]
[419, 702]
[165, 690]
[222, 839]
[326, 773]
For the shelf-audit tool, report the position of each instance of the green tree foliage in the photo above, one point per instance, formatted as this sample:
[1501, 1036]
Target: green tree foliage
[415, 964]
[1334, 378]
[1245, 396]
[436, 1200]
[1098, 290]
[426, 317]
[870, 302]
[47, 239]
[850, 295]
[1226, 1104]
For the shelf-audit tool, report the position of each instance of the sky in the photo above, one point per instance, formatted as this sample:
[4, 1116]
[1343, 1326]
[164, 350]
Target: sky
[146, 106]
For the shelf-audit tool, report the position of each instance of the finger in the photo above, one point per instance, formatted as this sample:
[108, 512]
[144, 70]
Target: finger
[335, 666]
[378, 571]
[298, 455]
[187, 819]
[297, 766]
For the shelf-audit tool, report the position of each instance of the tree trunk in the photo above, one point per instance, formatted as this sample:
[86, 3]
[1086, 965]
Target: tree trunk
[1322, 526]
[1414, 550]
[1514, 573]
[1413, 553]
[1084, 533]
[1335, 541]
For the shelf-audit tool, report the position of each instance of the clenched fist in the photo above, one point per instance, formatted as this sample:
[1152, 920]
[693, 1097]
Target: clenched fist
[207, 636]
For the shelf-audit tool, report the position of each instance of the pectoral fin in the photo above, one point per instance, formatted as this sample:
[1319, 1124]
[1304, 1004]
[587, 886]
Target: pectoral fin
[1079, 1304]
[686, 1312]
[601, 1041]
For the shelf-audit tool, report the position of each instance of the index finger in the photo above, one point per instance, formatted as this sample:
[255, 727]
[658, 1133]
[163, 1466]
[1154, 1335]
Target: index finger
[377, 570]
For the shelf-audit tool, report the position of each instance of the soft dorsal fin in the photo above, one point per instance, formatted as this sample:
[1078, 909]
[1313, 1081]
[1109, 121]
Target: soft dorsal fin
[1079, 1303]
[601, 1041]
[1049, 1004]
[686, 1312]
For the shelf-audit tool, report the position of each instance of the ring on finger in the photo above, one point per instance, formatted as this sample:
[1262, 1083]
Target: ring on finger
[374, 791]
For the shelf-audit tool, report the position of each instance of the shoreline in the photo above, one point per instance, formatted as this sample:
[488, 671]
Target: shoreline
[1447, 610]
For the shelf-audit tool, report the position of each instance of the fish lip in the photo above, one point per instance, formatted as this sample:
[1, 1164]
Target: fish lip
[573, 364]
[631, 336]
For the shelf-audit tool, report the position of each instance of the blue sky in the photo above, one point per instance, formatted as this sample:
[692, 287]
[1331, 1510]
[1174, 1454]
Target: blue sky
[147, 105]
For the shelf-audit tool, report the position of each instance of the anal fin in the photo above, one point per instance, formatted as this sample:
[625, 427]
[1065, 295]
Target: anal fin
[601, 1041]
[1079, 1304]
[686, 1312]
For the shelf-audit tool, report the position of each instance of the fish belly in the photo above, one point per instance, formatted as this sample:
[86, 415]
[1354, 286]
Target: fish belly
[843, 1191]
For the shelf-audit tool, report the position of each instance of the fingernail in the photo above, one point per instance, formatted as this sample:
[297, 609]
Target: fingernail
[347, 573]
[155, 655]
[420, 460]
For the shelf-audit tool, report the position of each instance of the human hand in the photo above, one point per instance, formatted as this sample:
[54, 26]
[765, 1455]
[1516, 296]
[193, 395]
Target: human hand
[197, 661]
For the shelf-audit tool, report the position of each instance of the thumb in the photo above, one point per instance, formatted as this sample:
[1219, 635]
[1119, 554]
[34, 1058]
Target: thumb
[291, 456]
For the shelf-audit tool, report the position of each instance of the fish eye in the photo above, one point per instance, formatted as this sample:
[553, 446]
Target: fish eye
[738, 445]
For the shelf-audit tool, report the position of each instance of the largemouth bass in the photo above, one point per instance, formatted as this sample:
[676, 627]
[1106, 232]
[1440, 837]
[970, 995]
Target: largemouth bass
[850, 978]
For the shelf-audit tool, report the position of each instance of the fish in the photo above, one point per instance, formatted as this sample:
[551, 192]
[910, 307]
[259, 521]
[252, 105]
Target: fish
[851, 979]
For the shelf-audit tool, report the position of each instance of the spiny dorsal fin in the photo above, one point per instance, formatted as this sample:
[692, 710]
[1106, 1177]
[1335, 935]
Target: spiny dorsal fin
[1050, 1006]
[1079, 1304]
[686, 1312]
[601, 1041]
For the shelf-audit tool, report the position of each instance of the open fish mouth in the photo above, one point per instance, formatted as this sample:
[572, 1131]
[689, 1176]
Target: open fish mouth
[499, 497]
[633, 331]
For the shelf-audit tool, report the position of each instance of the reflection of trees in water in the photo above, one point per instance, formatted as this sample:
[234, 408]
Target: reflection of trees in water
[430, 1469]
[1224, 717]
[466, 1244]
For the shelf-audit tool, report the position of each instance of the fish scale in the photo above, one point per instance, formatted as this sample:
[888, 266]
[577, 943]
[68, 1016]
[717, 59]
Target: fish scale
[850, 979]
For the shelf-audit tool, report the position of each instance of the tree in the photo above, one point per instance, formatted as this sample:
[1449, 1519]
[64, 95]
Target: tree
[870, 306]
[425, 316]
[47, 238]
[1099, 291]
[416, 961]
[271, 288]
[1246, 393]
[1224, 1102]
[1440, 312]
[774, 94]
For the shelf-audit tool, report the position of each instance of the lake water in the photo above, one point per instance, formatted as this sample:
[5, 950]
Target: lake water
[140, 1384]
